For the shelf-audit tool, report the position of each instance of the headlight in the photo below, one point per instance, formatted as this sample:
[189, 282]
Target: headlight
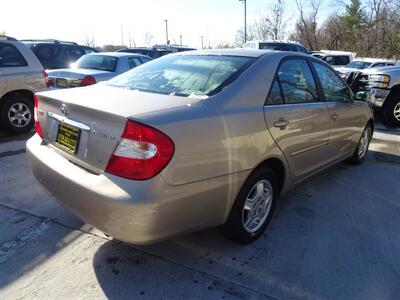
[379, 81]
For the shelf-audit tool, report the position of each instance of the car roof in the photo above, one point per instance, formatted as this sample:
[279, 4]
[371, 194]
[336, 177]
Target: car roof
[230, 52]
[117, 54]
[278, 42]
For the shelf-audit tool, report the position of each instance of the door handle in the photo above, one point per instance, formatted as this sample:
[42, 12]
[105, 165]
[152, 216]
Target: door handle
[334, 116]
[281, 123]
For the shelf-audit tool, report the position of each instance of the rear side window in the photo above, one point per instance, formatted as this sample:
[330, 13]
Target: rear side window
[88, 50]
[46, 52]
[297, 82]
[275, 95]
[334, 88]
[133, 62]
[10, 56]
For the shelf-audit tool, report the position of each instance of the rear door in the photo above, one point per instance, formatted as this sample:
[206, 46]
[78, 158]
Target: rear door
[345, 115]
[297, 120]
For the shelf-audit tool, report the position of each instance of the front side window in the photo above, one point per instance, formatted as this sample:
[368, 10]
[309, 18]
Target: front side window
[334, 88]
[10, 56]
[184, 75]
[97, 62]
[297, 82]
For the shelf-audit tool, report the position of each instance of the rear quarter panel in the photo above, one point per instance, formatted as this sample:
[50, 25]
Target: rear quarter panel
[222, 135]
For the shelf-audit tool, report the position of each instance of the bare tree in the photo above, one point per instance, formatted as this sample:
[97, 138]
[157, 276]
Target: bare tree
[306, 26]
[89, 41]
[269, 25]
[148, 39]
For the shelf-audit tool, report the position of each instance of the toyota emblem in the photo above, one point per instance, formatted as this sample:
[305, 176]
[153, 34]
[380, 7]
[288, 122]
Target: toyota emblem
[64, 109]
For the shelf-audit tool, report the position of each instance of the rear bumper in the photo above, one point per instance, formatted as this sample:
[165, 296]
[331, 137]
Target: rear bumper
[138, 212]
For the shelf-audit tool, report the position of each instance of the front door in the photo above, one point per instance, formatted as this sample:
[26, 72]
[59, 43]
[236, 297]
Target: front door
[343, 117]
[297, 120]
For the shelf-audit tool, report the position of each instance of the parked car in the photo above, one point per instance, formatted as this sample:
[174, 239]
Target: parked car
[151, 52]
[335, 58]
[21, 75]
[190, 141]
[55, 54]
[173, 48]
[276, 45]
[362, 64]
[381, 87]
[95, 67]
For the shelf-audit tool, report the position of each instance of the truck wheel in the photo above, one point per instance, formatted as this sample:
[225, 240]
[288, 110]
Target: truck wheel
[391, 110]
[17, 113]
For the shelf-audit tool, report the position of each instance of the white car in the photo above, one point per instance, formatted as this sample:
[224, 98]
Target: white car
[335, 58]
[363, 63]
[21, 75]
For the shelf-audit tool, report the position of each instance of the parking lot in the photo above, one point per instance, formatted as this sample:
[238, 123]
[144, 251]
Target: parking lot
[336, 236]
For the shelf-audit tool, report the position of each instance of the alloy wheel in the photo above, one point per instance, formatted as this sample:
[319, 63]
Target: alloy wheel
[19, 115]
[257, 206]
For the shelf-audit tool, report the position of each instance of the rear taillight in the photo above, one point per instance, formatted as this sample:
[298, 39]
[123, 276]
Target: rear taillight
[88, 80]
[36, 113]
[142, 153]
[46, 79]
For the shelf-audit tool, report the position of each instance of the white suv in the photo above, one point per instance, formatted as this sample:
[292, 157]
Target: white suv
[21, 75]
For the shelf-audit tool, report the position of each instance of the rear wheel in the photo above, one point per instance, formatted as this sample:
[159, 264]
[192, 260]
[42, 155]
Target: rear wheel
[253, 209]
[361, 151]
[17, 113]
[391, 110]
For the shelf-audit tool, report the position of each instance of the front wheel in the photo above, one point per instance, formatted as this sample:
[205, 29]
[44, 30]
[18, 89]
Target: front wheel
[361, 151]
[391, 111]
[254, 206]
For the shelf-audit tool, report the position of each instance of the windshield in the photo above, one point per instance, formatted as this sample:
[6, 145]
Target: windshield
[97, 62]
[358, 64]
[184, 75]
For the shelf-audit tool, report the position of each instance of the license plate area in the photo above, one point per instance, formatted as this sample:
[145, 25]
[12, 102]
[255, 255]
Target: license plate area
[68, 138]
[61, 82]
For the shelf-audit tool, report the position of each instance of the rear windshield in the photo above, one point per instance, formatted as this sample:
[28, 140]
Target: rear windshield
[186, 75]
[97, 62]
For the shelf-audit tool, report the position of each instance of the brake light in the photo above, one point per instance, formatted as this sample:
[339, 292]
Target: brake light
[36, 113]
[46, 79]
[88, 80]
[142, 153]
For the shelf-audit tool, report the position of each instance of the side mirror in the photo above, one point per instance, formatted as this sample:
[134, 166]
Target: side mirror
[360, 96]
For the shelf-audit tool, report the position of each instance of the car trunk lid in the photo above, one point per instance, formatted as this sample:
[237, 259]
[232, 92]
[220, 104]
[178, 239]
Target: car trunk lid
[97, 116]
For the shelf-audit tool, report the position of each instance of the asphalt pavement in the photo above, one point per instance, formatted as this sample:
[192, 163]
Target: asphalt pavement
[336, 236]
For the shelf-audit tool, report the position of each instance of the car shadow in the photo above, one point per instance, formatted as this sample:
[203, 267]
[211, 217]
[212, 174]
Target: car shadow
[335, 236]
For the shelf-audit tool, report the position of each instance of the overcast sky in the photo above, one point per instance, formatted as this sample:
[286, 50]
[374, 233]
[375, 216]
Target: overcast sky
[216, 20]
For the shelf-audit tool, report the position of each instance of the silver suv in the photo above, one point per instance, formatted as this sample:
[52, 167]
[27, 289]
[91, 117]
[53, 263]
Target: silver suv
[21, 75]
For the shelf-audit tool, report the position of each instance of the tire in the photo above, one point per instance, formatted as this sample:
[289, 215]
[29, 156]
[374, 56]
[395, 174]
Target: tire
[391, 110]
[239, 227]
[361, 151]
[17, 113]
